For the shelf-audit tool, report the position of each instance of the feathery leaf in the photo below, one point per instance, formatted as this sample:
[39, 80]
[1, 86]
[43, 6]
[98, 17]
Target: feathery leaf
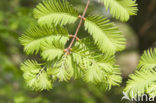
[140, 82]
[63, 68]
[53, 49]
[143, 81]
[35, 35]
[97, 66]
[105, 34]
[148, 60]
[36, 76]
[152, 90]
[121, 9]
[55, 12]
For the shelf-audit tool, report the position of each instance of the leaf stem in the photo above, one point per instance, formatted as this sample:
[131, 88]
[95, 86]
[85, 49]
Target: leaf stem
[78, 28]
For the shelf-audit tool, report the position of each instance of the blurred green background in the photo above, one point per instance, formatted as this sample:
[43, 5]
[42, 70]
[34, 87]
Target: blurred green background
[16, 16]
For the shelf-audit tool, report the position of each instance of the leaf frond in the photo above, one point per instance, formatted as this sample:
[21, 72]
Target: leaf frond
[97, 66]
[36, 76]
[121, 9]
[63, 68]
[55, 12]
[139, 83]
[107, 37]
[35, 35]
[143, 81]
[148, 60]
[53, 49]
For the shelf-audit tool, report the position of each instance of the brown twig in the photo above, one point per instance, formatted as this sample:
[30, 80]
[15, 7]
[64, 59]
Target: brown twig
[67, 50]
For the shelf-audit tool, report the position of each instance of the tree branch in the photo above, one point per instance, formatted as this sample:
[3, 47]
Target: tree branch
[67, 50]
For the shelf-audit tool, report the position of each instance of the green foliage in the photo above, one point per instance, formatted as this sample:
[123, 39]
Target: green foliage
[143, 81]
[35, 75]
[63, 69]
[121, 9]
[14, 19]
[106, 35]
[35, 35]
[91, 58]
[148, 60]
[97, 69]
[55, 12]
[53, 48]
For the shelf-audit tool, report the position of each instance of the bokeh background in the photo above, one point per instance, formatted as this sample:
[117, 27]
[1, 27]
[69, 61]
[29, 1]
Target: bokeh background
[16, 16]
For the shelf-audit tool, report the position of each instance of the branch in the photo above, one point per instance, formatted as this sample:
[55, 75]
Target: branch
[67, 50]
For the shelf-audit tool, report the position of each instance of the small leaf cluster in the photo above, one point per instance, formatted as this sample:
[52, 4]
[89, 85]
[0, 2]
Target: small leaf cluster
[143, 80]
[91, 58]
